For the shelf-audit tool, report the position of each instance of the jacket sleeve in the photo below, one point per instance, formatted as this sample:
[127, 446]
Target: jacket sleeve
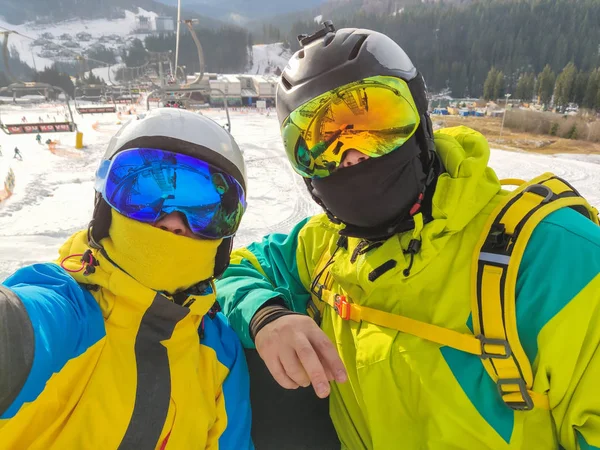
[45, 320]
[261, 272]
[232, 428]
[558, 311]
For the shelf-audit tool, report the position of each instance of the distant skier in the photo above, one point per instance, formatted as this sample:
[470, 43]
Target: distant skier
[18, 154]
[38, 138]
[0, 150]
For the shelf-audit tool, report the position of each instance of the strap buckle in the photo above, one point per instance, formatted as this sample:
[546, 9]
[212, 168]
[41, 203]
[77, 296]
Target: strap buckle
[526, 404]
[501, 342]
[341, 306]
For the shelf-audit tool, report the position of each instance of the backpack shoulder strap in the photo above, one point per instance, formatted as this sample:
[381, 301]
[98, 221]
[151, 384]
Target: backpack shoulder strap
[495, 267]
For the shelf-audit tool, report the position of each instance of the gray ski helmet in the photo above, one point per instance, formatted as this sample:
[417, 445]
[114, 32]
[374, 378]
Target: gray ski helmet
[329, 59]
[178, 131]
[332, 58]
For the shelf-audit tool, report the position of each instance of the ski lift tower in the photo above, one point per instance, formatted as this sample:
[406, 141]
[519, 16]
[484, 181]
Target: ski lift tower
[189, 88]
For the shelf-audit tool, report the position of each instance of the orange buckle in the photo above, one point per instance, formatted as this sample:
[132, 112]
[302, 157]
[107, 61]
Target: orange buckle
[341, 306]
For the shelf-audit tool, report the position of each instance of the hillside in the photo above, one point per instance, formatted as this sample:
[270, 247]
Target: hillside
[268, 59]
[455, 45]
[243, 11]
[44, 51]
[53, 11]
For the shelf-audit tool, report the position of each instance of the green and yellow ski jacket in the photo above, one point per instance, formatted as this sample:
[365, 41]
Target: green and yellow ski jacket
[406, 392]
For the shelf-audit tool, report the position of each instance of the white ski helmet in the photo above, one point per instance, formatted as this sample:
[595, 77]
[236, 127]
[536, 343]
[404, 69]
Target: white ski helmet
[178, 131]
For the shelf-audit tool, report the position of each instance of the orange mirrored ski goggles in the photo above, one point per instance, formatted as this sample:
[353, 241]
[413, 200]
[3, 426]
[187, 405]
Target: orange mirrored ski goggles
[374, 116]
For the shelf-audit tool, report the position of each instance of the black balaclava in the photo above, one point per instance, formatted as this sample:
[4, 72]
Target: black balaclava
[374, 198]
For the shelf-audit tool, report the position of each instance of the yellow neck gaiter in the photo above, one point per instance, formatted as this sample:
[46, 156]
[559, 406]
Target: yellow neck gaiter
[158, 259]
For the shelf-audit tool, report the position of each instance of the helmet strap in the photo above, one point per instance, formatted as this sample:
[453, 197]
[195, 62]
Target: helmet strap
[100, 223]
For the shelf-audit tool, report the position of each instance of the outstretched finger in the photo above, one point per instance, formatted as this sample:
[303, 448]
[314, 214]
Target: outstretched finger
[313, 367]
[329, 356]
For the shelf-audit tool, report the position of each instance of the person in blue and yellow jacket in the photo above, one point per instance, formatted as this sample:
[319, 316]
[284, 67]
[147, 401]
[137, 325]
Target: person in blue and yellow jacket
[119, 343]
[359, 301]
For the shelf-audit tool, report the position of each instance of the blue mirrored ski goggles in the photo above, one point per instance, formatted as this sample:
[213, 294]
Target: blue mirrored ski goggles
[145, 184]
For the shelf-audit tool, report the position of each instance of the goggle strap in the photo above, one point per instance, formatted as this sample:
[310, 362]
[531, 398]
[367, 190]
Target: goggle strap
[418, 90]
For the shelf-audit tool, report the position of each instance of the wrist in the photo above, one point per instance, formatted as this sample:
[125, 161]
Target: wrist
[268, 313]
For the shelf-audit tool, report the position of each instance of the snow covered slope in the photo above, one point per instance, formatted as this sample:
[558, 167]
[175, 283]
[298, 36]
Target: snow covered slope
[266, 59]
[102, 72]
[54, 192]
[97, 28]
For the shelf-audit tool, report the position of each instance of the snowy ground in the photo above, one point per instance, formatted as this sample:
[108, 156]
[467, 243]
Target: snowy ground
[102, 73]
[54, 192]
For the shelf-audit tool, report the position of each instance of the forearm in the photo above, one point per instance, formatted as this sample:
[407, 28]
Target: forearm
[16, 347]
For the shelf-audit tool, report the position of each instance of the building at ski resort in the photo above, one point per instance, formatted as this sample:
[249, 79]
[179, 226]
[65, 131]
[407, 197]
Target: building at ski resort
[240, 89]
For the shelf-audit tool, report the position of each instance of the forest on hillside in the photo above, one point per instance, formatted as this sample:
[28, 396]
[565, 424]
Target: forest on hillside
[226, 50]
[455, 46]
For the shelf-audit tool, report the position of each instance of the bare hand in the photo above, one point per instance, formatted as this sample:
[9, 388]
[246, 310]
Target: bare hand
[298, 353]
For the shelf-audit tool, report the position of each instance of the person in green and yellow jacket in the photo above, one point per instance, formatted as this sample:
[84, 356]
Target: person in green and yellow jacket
[119, 343]
[404, 210]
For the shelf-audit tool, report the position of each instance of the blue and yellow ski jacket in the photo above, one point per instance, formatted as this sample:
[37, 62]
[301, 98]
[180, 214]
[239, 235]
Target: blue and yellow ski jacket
[118, 367]
[406, 392]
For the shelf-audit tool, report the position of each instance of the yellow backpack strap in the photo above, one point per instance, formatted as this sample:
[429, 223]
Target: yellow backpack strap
[443, 336]
[321, 294]
[495, 266]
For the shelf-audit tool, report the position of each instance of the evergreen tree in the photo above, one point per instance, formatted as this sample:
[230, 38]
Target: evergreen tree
[525, 87]
[565, 85]
[136, 54]
[581, 82]
[590, 99]
[225, 49]
[490, 84]
[53, 77]
[458, 79]
[521, 90]
[546, 81]
[99, 54]
[499, 85]
[530, 87]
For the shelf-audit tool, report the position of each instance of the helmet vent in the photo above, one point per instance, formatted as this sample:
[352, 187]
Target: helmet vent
[354, 53]
[301, 54]
[329, 39]
[286, 84]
